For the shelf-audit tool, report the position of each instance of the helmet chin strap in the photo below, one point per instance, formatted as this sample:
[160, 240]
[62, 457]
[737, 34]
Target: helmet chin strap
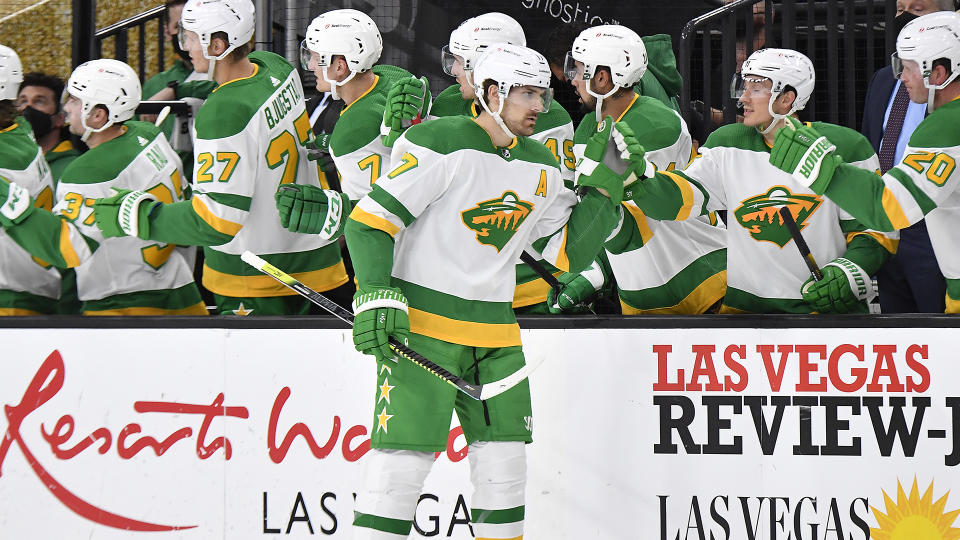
[334, 84]
[87, 130]
[777, 118]
[496, 117]
[599, 97]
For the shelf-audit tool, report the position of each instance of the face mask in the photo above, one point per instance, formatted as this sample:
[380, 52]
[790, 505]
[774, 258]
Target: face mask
[39, 121]
[901, 20]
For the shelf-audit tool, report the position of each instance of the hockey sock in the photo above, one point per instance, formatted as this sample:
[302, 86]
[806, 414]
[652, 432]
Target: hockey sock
[498, 471]
[387, 501]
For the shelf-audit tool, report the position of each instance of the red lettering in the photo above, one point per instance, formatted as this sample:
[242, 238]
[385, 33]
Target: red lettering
[159, 448]
[278, 453]
[453, 454]
[859, 373]
[58, 436]
[918, 368]
[703, 365]
[736, 367]
[808, 368]
[885, 367]
[358, 452]
[209, 412]
[662, 385]
[774, 376]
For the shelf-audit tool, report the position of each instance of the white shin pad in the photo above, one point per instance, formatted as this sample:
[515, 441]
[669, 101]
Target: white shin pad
[392, 481]
[498, 471]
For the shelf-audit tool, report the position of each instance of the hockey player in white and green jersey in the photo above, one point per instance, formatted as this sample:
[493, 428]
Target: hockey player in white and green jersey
[659, 267]
[250, 136]
[115, 276]
[554, 127]
[924, 184]
[482, 194]
[28, 286]
[765, 271]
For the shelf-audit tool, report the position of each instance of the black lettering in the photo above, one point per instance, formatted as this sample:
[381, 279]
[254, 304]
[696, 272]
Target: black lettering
[718, 517]
[767, 436]
[897, 429]
[953, 459]
[698, 522]
[715, 425]
[806, 446]
[433, 518]
[326, 510]
[294, 517]
[663, 516]
[797, 516]
[465, 520]
[745, 507]
[266, 528]
[835, 425]
[858, 521]
[774, 521]
[681, 425]
[834, 516]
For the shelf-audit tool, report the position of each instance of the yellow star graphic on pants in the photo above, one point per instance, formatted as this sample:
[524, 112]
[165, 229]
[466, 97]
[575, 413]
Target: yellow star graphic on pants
[242, 311]
[382, 420]
[385, 389]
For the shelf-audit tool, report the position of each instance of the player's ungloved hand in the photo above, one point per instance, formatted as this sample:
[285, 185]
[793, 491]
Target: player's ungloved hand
[407, 100]
[312, 210]
[845, 288]
[590, 169]
[577, 290]
[125, 214]
[379, 313]
[808, 156]
[17, 205]
[196, 89]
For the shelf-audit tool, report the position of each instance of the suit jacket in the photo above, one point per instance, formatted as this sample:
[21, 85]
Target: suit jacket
[875, 105]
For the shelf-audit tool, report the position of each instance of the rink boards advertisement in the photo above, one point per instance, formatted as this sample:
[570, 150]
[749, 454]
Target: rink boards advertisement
[653, 434]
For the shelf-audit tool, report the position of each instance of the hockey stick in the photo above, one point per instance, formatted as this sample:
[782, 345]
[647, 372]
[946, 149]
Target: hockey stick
[162, 116]
[791, 224]
[476, 391]
[545, 274]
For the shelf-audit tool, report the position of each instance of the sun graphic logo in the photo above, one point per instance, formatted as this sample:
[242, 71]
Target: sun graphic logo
[495, 221]
[915, 517]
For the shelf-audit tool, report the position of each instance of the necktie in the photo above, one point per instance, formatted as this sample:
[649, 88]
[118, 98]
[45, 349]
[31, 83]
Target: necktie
[898, 111]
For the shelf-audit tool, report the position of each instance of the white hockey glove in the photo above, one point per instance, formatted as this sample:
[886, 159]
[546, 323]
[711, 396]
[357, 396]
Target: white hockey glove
[16, 203]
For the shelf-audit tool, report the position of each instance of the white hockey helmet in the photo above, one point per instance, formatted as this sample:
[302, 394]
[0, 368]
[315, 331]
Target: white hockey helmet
[345, 32]
[614, 46]
[511, 66]
[235, 18]
[11, 73]
[783, 67]
[106, 82]
[927, 39]
[474, 35]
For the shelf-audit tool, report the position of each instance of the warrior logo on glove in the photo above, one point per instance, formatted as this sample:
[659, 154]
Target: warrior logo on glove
[761, 217]
[495, 221]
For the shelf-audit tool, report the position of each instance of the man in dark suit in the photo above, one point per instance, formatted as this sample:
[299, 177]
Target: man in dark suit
[910, 281]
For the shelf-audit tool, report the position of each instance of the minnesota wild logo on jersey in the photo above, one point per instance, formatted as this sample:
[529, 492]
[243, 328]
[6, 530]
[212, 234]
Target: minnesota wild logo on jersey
[495, 221]
[760, 214]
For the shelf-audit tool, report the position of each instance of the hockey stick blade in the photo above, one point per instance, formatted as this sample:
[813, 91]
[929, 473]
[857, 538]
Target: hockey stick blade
[802, 246]
[162, 116]
[476, 391]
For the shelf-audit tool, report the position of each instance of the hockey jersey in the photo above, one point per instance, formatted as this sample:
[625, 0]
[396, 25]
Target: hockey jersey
[355, 143]
[765, 271]
[452, 193]
[116, 276]
[923, 183]
[660, 266]
[28, 286]
[555, 130]
[250, 135]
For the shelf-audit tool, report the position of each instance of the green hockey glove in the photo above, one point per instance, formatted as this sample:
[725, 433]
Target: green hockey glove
[17, 205]
[590, 169]
[379, 313]
[845, 288]
[195, 89]
[577, 290]
[808, 156]
[407, 100]
[632, 152]
[125, 214]
[318, 149]
[311, 210]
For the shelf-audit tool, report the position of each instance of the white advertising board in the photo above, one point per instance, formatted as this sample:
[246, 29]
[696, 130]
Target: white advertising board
[666, 434]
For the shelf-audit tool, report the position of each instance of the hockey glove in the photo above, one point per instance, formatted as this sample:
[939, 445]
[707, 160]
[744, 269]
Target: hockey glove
[311, 210]
[379, 313]
[17, 205]
[632, 152]
[195, 89]
[845, 288]
[408, 100]
[125, 214]
[577, 290]
[318, 149]
[808, 156]
[590, 169]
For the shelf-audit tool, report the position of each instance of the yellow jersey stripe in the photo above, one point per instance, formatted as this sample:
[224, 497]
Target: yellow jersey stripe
[17, 312]
[645, 232]
[196, 309]
[468, 333]
[531, 292]
[262, 286]
[698, 301]
[374, 222]
[563, 262]
[888, 243]
[953, 306]
[66, 247]
[895, 213]
[219, 224]
[686, 191]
